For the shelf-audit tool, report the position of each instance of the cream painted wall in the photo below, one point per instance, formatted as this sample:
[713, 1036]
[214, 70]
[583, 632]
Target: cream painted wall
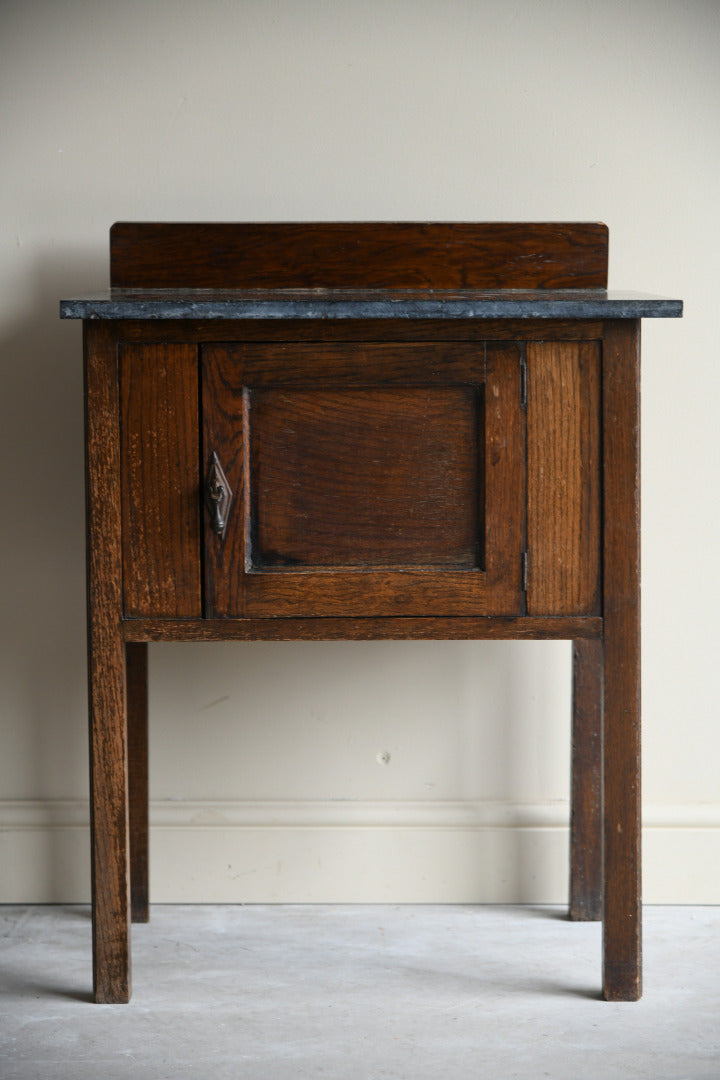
[268, 772]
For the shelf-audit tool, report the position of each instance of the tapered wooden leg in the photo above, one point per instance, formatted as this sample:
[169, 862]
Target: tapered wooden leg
[621, 662]
[136, 654]
[106, 676]
[586, 796]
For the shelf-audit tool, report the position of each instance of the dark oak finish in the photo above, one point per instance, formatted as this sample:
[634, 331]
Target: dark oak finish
[419, 628]
[586, 789]
[390, 478]
[160, 479]
[357, 364]
[106, 673]
[563, 478]
[136, 659]
[350, 255]
[365, 477]
[621, 675]
[372, 592]
[371, 479]
[225, 428]
[504, 480]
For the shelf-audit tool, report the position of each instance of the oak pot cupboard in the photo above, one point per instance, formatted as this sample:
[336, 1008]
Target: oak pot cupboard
[365, 431]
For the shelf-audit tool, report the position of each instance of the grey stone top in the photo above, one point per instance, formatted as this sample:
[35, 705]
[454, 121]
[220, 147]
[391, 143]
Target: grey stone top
[368, 304]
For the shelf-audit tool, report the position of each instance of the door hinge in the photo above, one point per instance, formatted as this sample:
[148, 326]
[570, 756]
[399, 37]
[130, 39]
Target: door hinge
[525, 571]
[523, 382]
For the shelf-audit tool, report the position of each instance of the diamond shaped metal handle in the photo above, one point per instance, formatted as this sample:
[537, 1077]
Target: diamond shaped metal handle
[218, 496]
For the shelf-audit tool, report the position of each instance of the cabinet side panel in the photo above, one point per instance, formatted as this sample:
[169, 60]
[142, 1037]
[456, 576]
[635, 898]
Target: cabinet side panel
[563, 452]
[160, 480]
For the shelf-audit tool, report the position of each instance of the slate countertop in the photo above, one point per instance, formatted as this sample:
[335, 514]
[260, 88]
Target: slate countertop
[368, 304]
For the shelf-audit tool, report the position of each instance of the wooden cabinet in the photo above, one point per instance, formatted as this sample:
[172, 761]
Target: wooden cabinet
[371, 431]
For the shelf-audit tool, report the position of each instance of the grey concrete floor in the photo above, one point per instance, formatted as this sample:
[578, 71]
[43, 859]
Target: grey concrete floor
[358, 993]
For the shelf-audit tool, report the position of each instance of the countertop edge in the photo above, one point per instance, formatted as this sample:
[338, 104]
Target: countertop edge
[117, 308]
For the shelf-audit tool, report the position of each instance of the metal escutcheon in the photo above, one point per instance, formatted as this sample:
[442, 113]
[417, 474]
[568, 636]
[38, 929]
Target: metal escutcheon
[218, 496]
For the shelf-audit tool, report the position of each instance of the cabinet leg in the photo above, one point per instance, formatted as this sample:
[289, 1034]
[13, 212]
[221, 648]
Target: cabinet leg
[621, 665]
[109, 825]
[621, 803]
[109, 818]
[586, 793]
[136, 656]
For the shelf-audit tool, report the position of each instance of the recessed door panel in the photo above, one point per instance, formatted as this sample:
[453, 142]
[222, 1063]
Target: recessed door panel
[364, 477]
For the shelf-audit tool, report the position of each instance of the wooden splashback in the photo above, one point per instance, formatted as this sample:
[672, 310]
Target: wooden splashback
[366, 255]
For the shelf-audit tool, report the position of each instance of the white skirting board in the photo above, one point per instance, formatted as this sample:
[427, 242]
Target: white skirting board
[351, 852]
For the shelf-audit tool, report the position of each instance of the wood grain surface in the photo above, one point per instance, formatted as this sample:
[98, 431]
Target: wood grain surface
[563, 433]
[361, 331]
[586, 782]
[504, 480]
[338, 628]
[160, 480]
[226, 433]
[351, 255]
[109, 819]
[365, 477]
[136, 660]
[621, 644]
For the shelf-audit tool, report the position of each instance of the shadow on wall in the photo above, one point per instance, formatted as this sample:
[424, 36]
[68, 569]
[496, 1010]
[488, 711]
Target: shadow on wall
[43, 739]
[42, 530]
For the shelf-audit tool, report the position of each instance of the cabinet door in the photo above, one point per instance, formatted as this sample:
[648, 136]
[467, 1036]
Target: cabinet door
[366, 479]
